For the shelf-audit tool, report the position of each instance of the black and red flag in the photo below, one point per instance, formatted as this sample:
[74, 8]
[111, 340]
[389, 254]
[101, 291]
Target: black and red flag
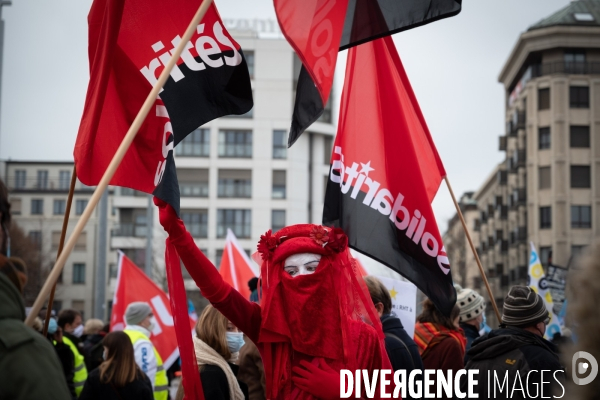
[317, 29]
[130, 42]
[385, 172]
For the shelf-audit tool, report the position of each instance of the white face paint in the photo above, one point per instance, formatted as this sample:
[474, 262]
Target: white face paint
[301, 264]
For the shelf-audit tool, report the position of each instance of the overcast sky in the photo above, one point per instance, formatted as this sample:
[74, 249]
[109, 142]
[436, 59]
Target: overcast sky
[453, 65]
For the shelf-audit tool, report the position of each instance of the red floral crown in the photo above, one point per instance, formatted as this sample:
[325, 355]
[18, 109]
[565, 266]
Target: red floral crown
[333, 240]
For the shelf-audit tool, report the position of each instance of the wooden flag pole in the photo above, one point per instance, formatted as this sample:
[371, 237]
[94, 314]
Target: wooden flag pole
[61, 245]
[464, 224]
[114, 163]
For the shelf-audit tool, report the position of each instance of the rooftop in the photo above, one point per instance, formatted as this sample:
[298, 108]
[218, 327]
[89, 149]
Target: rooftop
[577, 13]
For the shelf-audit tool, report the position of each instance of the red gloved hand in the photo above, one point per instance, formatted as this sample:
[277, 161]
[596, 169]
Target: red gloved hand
[168, 219]
[321, 380]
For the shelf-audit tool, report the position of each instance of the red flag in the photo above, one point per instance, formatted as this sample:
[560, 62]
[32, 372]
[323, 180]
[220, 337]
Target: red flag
[385, 172]
[236, 267]
[134, 285]
[129, 43]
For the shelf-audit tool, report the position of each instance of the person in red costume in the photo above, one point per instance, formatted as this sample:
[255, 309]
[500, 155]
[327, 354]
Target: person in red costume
[315, 316]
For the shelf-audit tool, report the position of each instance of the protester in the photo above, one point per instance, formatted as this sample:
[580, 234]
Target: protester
[440, 340]
[518, 347]
[252, 285]
[401, 349]
[119, 377]
[217, 345]
[64, 353]
[314, 318]
[582, 316]
[252, 370]
[140, 323]
[69, 321]
[93, 333]
[29, 367]
[472, 306]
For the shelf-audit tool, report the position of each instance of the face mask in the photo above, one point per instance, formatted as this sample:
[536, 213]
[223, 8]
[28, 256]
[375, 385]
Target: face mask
[235, 341]
[78, 331]
[152, 324]
[52, 326]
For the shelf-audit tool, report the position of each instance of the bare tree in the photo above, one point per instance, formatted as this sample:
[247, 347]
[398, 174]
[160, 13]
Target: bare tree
[21, 246]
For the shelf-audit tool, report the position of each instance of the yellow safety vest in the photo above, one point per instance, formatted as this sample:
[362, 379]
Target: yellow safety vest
[80, 369]
[161, 383]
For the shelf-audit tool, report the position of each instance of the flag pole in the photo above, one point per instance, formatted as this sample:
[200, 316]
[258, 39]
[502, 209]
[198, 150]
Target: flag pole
[116, 160]
[61, 245]
[464, 225]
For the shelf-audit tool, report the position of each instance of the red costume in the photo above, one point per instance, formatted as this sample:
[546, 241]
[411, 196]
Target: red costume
[307, 328]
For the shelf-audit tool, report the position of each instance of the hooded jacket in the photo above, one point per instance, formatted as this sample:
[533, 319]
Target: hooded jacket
[526, 365]
[29, 367]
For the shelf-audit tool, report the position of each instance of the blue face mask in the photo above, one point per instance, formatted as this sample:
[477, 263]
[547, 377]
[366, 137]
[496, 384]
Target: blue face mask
[52, 326]
[235, 341]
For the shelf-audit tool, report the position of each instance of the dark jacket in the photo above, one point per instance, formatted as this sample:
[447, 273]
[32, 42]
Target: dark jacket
[214, 382]
[139, 389]
[472, 334]
[67, 360]
[93, 351]
[252, 371]
[511, 351]
[29, 367]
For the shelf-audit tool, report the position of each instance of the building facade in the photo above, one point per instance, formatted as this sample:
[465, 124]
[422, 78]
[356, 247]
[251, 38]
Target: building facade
[547, 191]
[38, 194]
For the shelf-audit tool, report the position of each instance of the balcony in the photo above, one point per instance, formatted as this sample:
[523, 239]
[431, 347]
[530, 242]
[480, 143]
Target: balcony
[518, 198]
[517, 122]
[502, 177]
[502, 140]
[19, 184]
[502, 246]
[129, 230]
[562, 67]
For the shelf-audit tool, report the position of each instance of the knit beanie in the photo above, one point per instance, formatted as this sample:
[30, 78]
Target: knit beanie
[136, 312]
[470, 302]
[523, 307]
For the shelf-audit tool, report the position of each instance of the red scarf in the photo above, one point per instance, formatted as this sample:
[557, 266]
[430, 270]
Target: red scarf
[427, 335]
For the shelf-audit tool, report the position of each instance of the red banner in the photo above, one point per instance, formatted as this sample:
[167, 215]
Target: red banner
[134, 285]
[236, 267]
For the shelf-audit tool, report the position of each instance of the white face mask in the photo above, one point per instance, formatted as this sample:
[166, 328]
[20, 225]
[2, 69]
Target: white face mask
[152, 324]
[301, 264]
[78, 331]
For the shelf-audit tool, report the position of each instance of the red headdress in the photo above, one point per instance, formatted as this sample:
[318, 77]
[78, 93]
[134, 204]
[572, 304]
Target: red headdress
[317, 315]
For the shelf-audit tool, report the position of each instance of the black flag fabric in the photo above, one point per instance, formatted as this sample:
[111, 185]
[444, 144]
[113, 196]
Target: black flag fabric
[318, 29]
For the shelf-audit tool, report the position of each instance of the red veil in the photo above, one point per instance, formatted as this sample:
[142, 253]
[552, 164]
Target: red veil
[319, 315]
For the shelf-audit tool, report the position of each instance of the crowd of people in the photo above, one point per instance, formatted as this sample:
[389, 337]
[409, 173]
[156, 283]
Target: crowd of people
[309, 316]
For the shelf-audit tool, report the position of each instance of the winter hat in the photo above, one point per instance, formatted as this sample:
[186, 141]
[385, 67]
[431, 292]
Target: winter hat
[470, 302]
[136, 312]
[523, 307]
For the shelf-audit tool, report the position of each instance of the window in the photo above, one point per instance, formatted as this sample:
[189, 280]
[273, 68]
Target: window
[577, 251]
[193, 182]
[42, 179]
[113, 271]
[235, 183]
[20, 179]
[545, 254]
[544, 99]
[545, 178]
[196, 222]
[55, 240]
[579, 136]
[545, 217]
[581, 217]
[196, 144]
[579, 97]
[327, 149]
[544, 138]
[15, 206]
[277, 220]
[235, 144]
[78, 273]
[64, 180]
[574, 62]
[36, 238]
[239, 221]
[249, 56]
[326, 116]
[59, 207]
[580, 176]
[279, 184]
[81, 243]
[219, 258]
[279, 144]
[37, 206]
[80, 206]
